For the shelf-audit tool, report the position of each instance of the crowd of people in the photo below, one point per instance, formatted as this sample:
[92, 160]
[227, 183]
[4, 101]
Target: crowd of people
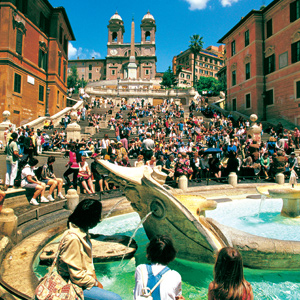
[181, 146]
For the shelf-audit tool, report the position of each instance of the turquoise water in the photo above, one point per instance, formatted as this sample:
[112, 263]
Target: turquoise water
[195, 276]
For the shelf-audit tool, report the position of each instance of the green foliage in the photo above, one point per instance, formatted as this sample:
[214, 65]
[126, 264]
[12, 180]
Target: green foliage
[73, 77]
[169, 80]
[196, 45]
[82, 83]
[209, 84]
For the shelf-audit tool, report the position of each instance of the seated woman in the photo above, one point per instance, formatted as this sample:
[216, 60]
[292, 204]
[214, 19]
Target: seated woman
[160, 252]
[29, 181]
[75, 261]
[48, 177]
[85, 176]
[152, 162]
[229, 281]
[140, 161]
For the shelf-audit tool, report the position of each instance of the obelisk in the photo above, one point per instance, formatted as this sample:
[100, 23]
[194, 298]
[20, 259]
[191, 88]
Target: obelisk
[132, 67]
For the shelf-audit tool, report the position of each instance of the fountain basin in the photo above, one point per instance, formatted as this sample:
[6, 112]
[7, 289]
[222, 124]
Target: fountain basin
[290, 198]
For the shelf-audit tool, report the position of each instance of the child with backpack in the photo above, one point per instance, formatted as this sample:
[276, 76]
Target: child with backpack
[155, 280]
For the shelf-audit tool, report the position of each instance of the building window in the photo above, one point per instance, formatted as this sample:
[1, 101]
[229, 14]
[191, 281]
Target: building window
[247, 69]
[22, 6]
[59, 66]
[234, 104]
[90, 75]
[233, 78]
[248, 101]
[269, 100]
[90, 67]
[270, 64]
[65, 71]
[295, 52]
[182, 75]
[246, 38]
[147, 72]
[269, 28]
[201, 71]
[41, 93]
[60, 35]
[43, 59]
[206, 72]
[298, 90]
[294, 10]
[232, 48]
[211, 73]
[57, 100]
[17, 83]
[19, 42]
[283, 60]
[44, 23]
[113, 72]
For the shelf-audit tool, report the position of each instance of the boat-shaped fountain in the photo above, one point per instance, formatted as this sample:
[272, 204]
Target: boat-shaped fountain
[196, 237]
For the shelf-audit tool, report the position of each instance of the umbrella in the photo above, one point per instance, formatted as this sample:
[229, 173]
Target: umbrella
[213, 150]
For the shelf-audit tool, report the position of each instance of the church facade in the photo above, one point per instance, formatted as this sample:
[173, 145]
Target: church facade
[117, 63]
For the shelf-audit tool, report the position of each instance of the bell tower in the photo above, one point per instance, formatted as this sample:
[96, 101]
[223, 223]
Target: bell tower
[115, 30]
[148, 29]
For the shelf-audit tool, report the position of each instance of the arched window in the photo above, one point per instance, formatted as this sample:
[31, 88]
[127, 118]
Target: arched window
[114, 36]
[147, 36]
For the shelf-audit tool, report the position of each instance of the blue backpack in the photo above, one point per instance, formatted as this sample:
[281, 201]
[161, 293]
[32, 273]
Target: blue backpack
[153, 280]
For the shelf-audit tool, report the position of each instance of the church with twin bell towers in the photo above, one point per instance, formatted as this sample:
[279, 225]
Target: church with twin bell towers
[131, 60]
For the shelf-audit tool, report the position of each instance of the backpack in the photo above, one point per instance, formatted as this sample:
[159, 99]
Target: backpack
[152, 289]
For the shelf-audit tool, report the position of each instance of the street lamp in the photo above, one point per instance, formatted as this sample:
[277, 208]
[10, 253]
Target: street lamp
[47, 102]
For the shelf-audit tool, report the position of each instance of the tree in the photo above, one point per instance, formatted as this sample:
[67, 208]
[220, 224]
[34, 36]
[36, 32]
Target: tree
[196, 45]
[169, 80]
[209, 84]
[72, 80]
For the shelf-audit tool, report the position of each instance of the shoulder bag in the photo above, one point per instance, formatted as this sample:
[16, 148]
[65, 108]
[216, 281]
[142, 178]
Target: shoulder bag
[53, 287]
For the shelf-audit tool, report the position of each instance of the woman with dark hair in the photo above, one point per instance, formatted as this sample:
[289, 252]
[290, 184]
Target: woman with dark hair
[74, 159]
[49, 178]
[12, 157]
[160, 252]
[229, 282]
[75, 260]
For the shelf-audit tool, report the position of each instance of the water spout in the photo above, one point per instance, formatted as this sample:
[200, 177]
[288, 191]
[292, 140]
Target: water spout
[113, 208]
[262, 199]
[133, 235]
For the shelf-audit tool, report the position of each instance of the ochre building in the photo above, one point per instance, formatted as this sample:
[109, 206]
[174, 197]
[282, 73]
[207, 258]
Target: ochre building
[263, 62]
[33, 58]
[208, 63]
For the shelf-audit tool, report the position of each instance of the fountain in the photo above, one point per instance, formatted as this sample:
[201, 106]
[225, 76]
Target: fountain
[196, 237]
[290, 198]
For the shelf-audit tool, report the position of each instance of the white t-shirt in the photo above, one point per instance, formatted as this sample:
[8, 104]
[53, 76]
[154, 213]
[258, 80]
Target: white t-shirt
[25, 172]
[170, 287]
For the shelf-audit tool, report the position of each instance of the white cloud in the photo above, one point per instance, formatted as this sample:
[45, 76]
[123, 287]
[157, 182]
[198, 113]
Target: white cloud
[197, 4]
[202, 4]
[82, 53]
[228, 2]
[72, 51]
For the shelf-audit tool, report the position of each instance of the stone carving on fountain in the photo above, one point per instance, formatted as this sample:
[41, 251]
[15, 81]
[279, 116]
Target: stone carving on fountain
[182, 216]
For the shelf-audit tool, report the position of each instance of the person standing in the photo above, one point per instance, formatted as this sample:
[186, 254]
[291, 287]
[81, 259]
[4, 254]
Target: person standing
[12, 157]
[29, 145]
[73, 167]
[147, 147]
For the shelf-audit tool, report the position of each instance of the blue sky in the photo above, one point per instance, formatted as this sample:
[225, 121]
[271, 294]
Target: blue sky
[176, 21]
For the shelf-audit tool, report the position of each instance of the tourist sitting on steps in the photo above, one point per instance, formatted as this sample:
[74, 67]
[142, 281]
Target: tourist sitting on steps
[160, 252]
[29, 181]
[48, 177]
[229, 281]
[75, 260]
[85, 176]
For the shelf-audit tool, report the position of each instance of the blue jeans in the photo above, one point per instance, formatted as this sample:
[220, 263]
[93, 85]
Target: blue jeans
[96, 293]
